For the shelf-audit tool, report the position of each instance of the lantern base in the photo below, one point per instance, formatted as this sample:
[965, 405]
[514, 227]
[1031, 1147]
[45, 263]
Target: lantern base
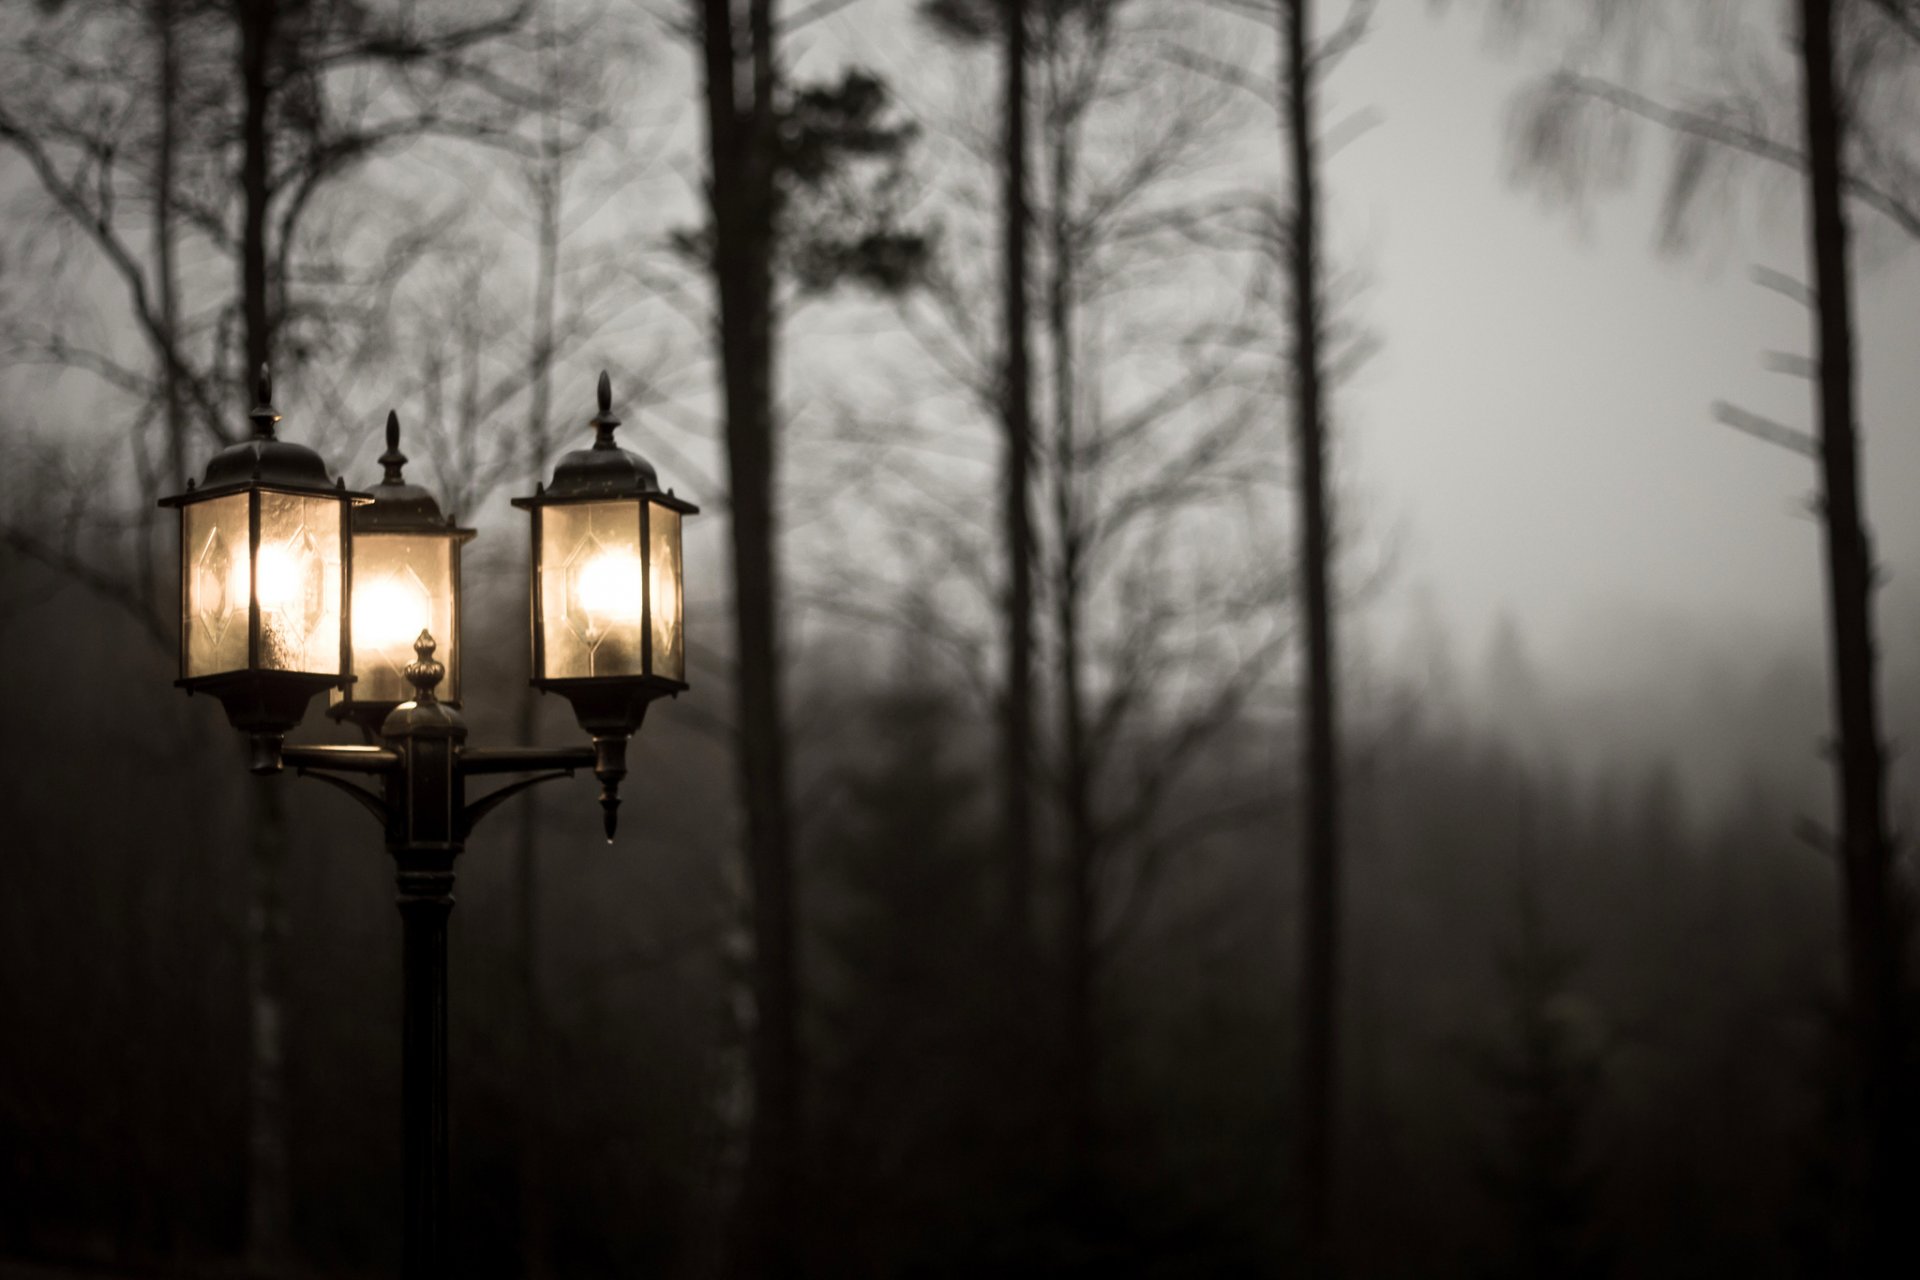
[263, 701]
[609, 706]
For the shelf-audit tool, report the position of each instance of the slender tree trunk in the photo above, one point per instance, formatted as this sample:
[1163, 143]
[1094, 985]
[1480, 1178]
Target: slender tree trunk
[269, 1192]
[1319, 1060]
[547, 182]
[742, 140]
[1870, 916]
[1080, 1056]
[1016, 778]
[167, 283]
[269, 1198]
[256, 69]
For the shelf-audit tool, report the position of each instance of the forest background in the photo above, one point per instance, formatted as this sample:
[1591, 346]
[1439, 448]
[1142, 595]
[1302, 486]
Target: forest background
[1590, 987]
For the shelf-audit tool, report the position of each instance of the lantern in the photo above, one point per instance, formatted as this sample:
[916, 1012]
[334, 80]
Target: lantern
[264, 578]
[608, 605]
[406, 580]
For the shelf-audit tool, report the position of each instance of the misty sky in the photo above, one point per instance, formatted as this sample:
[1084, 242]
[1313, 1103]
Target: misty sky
[1537, 429]
[1534, 441]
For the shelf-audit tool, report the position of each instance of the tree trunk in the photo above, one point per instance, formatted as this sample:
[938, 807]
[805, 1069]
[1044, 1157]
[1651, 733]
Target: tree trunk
[547, 180]
[167, 284]
[1080, 1055]
[269, 1198]
[741, 193]
[1871, 928]
[1017, 423]
[1321, 896]
[256, 69]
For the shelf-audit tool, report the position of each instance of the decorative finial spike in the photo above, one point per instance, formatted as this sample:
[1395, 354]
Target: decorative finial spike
[424, 673]
[392, 459]
[262, 415]
[604, 422]
[609, 812]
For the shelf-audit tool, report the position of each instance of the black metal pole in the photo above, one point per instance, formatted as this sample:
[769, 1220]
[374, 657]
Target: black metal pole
[423, 768]
[426, 899]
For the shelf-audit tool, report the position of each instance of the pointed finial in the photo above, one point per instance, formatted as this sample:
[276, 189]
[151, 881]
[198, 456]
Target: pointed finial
[609, 811]
[262, 415]
[392, 459]
[604, 422]
[424, 673]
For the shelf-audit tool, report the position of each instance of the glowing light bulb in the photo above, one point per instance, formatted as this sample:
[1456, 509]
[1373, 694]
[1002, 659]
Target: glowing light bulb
[607, 589]
[283, 585]
[388, 613]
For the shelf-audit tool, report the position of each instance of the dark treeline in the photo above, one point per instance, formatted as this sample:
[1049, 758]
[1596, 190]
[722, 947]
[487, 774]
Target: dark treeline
[1589, 1033]
[1044, 875]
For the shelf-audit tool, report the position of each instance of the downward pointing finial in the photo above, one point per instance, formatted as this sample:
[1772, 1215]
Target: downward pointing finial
[392, 459]
[262, 415]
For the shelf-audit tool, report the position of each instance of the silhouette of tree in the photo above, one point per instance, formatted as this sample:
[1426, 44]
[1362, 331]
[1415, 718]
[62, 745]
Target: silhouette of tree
[803, 180]
[1834, 123]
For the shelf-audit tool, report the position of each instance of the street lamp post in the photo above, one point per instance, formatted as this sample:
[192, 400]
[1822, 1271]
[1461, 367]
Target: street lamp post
[292, 584]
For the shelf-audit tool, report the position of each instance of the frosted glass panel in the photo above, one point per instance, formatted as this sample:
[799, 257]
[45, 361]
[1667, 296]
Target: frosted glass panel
[590, 589]
[215, 583]
[669, 655]
[402, 585]
[297, 573]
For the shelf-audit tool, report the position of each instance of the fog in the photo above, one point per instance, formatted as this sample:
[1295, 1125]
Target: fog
[1592, 1004]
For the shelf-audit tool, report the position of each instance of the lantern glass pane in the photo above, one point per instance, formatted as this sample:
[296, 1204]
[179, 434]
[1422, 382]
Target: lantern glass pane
[663, 582]
[297, 574]
[215, 583]
[402, 585]
[591, 577]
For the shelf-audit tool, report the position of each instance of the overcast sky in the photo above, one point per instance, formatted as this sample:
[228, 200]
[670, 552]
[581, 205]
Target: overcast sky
[1534, 441]
[1538, 428]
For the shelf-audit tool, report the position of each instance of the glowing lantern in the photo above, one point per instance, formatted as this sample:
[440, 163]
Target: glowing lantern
[406, 579]
[263, 578]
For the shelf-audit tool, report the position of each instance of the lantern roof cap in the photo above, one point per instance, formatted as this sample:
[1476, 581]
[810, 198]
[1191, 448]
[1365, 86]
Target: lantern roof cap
[399, 506]
[604, 471]
[264, 461]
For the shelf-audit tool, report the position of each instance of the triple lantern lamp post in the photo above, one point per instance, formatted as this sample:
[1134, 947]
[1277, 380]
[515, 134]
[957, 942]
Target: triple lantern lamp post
[292, 584]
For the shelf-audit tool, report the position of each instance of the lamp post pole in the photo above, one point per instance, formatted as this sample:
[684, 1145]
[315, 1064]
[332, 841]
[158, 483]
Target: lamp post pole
[423, 764]
[271, 613]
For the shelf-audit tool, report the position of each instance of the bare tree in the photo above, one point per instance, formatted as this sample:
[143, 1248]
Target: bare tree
[783, 204]
[1134, 212]
[80, 124]
[1836, 124]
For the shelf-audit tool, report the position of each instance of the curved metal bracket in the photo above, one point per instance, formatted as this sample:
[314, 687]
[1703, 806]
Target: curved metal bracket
[478, 809]
[373, 803]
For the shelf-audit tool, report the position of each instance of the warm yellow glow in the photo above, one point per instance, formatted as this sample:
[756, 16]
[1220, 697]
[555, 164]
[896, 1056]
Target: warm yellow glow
[282, 577]
[388, 614]
[607, 589]
[666, 594]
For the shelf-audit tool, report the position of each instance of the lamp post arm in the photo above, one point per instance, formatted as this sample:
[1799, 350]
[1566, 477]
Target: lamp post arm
[340, 759]
[524, 759]
[478, 809]
[321, 763]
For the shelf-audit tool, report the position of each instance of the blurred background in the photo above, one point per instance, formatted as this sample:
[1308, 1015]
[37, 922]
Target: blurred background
[1121, 435]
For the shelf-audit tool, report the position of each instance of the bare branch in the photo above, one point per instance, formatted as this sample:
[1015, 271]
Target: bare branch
[1762, 428]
